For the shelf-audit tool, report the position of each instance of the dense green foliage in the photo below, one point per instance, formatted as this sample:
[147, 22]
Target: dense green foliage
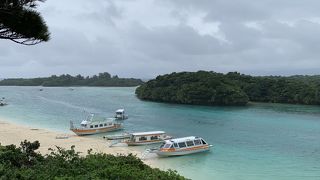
[103, 79]
[20, 22]
[24, 163]
[210, 88]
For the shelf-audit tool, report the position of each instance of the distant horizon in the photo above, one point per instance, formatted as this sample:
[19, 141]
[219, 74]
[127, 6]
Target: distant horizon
[148, 78]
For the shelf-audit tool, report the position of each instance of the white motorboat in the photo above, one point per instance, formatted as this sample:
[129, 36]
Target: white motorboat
[143, 138]
[182, 146]
[94, 125]
[3, 102]
[120, 114]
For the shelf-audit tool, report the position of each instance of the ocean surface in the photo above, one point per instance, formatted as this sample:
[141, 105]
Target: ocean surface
[260, 141]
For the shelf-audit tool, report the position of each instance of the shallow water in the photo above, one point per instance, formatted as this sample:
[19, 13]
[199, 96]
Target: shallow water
[260, 141]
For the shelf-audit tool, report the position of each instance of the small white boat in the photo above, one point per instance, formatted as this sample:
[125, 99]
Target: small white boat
[182, 146]
[143, 138]
[94, 125]
[117, 136]
[3, 102]
[120, 114]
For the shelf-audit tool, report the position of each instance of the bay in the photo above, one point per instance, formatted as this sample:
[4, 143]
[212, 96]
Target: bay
[259, 141]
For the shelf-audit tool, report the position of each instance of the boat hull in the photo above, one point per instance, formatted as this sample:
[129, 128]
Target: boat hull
[83, 132]
[143, 143]
[115, 137]
[182, 151]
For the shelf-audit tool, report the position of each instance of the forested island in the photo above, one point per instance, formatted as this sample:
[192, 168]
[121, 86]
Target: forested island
[102, 79]
[25, 162]
[233, 88]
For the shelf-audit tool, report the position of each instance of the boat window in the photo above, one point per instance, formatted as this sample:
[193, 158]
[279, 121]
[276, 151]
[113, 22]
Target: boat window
[101, 125]
[142, 138]
[154, 137]
[105, 124]
[182, 144]
[190, 143]
[203, 142]
[91, 126]
[110, 124]
[176, 145]
[167, 145]
[197, 142]
[96, 125]
[162, 145]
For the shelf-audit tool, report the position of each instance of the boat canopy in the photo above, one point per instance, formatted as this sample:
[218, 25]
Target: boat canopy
[84, 122]
[148, 133]
[120, 111]
[184, 139]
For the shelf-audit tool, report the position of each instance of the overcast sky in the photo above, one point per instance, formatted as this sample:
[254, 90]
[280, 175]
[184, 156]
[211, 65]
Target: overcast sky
[144, 38]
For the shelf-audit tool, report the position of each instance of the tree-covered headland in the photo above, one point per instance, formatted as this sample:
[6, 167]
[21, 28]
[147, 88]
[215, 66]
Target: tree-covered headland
[102, 79]
[25, 162]
[211, 88]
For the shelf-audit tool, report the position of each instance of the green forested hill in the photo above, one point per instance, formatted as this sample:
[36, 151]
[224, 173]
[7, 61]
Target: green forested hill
[103, 79]
[211, 88]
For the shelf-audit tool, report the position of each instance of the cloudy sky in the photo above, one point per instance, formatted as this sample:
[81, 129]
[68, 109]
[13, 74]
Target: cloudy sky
[144, 38]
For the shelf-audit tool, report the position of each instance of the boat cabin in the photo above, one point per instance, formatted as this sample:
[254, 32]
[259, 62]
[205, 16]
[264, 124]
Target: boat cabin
[93, 124]
[186, 142]
[120, 114]
[147, 136]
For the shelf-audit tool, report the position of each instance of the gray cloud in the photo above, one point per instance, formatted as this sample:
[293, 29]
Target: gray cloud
[143, 38]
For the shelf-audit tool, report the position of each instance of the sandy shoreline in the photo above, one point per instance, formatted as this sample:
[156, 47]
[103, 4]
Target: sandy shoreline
[11, 133]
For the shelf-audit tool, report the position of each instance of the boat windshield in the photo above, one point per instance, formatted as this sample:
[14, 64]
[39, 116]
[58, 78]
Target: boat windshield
[167, 145]
[203, 142]
[197, 142]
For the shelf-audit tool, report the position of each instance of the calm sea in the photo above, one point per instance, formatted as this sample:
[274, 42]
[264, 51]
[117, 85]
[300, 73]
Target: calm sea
[260, 141]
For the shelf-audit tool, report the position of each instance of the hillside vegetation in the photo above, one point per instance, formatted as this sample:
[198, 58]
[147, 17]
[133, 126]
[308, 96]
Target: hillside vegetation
[25, 163]
[211, 88]
[103, 79]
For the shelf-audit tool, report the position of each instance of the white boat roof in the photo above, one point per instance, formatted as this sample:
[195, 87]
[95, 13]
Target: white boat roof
[147, 133]
[93, 119]
[183, 139]
[120, 110]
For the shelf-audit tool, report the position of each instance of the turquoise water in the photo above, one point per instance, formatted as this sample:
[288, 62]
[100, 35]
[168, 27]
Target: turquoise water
[260, 141]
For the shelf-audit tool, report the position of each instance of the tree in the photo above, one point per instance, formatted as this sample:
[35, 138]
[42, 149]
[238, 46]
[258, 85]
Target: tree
[25, 162]
[20, 23]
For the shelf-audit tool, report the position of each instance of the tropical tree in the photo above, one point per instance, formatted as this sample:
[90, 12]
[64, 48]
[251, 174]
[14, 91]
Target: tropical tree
[20, 23]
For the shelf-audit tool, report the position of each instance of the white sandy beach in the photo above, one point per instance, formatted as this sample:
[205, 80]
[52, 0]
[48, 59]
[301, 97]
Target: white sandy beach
[11, 133]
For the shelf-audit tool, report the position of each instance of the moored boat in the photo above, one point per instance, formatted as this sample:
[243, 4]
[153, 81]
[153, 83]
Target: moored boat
[117, 136]
[3, 102]
[120, 114]
[95, 125]
[142, 138]
[145, 138]
[182, 146]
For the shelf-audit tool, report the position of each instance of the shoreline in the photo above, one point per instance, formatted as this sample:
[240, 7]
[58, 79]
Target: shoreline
[11, 133]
